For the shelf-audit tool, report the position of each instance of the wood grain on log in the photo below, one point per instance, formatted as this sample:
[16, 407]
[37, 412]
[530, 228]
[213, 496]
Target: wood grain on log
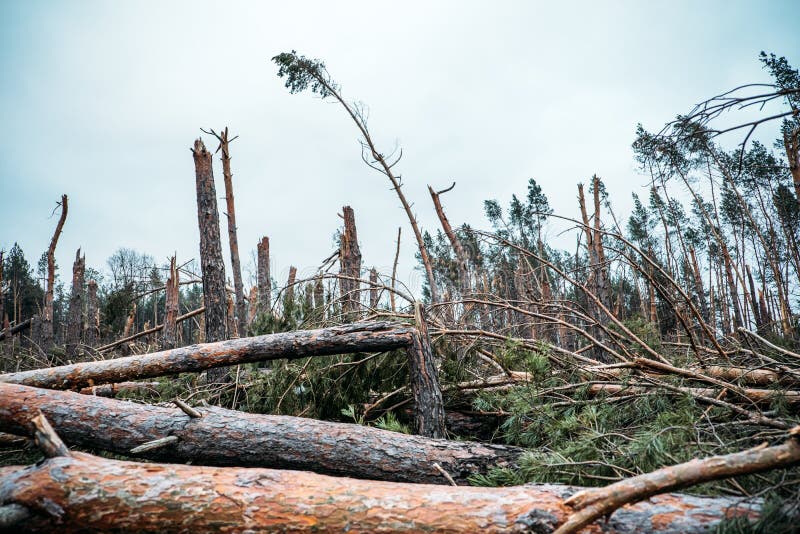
[83, 492]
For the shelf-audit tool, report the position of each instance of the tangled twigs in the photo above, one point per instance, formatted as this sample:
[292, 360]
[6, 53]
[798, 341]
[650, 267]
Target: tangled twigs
[591, 504]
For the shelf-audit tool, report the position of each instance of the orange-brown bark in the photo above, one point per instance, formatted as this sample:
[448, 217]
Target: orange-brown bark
[81, 492]
[359, 337]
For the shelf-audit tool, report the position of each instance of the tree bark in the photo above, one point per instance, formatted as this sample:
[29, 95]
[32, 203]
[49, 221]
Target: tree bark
[92, 333]
[591, 504]
[358, 337]
[350, 267]
[211, 263]
[75, 312]
[238, 286]
[429, 406]
[169, 336]
[80, 492]
[24, 325]
[263, 280]
[230, 438]
[149, 331]
[374, 293]
[46, 327]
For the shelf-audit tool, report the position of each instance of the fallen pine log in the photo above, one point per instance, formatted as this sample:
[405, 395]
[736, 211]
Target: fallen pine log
[227, 438]
[80, 492]
[357, 337]
[592, 503]
[112, 390]
[16, 329]
[149, 331]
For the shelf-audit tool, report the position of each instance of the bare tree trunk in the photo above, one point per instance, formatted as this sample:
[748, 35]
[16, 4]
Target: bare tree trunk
[374, 293]
[263, 279]
[73, 492]
[92, 334]
[358, 337]
[75, 312]
[231, 438]
[211, 263]
[791, 141]
[461, 256]
[394, 270]
[169, 335]
[350, 267]
[602, 280]
[3, 318]
[46, 326]
[319, 299]
[429, 406]
[288, 299]
[252, 308]
[238, 287]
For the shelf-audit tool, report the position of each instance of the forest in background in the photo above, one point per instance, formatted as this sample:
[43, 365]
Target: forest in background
[665, 335]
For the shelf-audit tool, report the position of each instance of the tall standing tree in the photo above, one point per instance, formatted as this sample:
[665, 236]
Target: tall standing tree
[211, 263]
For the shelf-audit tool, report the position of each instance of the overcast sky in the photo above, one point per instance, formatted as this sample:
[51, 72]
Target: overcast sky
[102, 100]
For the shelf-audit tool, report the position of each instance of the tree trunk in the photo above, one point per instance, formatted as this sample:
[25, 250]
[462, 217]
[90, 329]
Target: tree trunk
[358, 337]
[149, 331]
[350, 267]
[238, 287]
[374, 292]
[211, 263]
[92, 315]
[462, 261]
[46, 326]
[17, 328]
[75, 312]
[288, 299]
[230, 438]
[429, 406]
[263, 280]
[80, 492]
[169, 336]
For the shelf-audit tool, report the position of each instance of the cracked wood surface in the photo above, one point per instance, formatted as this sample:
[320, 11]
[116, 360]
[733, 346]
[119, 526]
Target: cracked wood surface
[359, 337]
[229, 438]
[83, 492]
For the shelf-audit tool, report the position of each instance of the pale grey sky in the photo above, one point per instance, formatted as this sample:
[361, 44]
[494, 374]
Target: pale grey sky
[102, 100]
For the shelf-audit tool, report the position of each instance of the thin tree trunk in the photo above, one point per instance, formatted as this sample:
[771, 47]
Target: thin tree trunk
[374, 293]
[75, 312]
[231, 438]
[46, 326]
[461, 256]
[350, 267]
[358, 337]
[169, 336]
[791, 141]
[394, 270]
[233, 240]
[263, 279]
[92, 334]
[80, 492]
[288, 299]
[211, 264]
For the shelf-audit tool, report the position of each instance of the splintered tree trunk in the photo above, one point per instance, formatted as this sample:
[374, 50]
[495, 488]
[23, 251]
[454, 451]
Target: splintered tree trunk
[350, 267]
[594, 282]
[79, 492]
[252, 309]
[429, 406]
[319, 299]
[230, 307]
[75, 312]
[602, 279]
[231, 438]
[169, 335]
[288, 299]
[238, 287]
[46, 326]
[358, 337]
[211, 263]
[461, 256]
[92, 333]
[263, 280]
[373, 289]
